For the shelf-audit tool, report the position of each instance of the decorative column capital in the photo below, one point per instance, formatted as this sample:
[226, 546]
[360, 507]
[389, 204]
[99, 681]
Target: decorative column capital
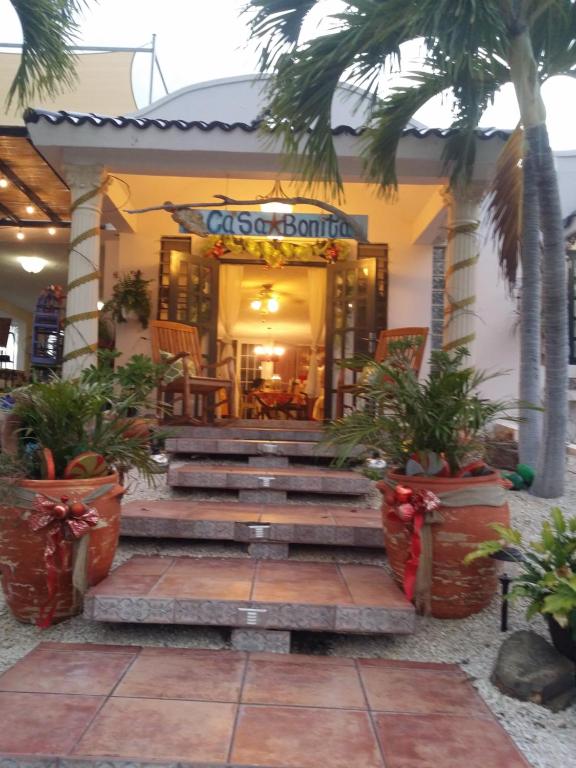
[83, 177]
[467, 194]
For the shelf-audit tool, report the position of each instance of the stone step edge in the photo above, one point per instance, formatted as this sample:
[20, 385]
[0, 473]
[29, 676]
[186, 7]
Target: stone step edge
[247, 533]
[263, 479]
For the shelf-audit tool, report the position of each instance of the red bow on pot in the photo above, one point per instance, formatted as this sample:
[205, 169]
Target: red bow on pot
[416, 510]
[64, 522]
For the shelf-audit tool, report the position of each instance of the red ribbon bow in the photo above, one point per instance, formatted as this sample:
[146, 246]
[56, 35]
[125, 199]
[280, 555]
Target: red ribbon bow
[64, 522]
[413, 508]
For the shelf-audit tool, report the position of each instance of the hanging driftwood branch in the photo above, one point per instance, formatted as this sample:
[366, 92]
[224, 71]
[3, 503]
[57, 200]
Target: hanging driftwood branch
[223, 200]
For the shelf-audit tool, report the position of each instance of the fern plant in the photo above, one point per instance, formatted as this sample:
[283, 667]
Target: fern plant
[547, 567]
[399, 416]
[130, 294]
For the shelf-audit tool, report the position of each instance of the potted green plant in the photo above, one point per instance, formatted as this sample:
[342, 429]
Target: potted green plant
[132, 385]
[546, 574]
[60, 502]
[130, 296]
[439, 496]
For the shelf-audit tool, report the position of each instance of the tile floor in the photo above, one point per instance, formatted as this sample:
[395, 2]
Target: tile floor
[308, 583]
[288, 523]
[288, 514]
[105, 705]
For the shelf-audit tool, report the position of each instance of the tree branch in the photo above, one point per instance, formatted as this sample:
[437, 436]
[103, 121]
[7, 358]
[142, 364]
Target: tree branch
[359, 231]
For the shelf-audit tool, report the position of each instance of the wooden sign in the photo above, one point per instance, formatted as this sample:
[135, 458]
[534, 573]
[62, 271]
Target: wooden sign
[289, 225]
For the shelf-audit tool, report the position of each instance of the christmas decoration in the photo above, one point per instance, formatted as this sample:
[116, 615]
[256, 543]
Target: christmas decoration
[275, 253]
[416, 510]
[65, 522]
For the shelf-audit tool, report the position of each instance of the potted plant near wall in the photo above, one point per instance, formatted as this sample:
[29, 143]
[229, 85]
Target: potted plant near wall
[60, 492]
[439, 496]
[130, 297]
[132, 385]
[546, 574]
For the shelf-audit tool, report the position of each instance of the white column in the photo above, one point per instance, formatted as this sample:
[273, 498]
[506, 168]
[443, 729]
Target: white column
[462, 256]
[438, 292]
[87, 184]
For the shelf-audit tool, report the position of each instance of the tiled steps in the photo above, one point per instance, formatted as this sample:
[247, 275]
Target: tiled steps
[110, 706]
[299, 431]
[274, 479]
[261, 600]
[250, 446]
[267, 529]
[260, 470]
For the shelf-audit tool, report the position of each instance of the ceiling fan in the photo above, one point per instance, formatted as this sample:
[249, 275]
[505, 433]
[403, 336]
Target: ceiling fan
[266, 300]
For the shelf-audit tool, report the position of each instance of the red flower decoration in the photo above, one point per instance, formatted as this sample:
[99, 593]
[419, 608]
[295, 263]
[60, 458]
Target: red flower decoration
[64, 522]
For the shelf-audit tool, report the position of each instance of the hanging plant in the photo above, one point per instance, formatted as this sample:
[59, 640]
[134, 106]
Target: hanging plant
[275, 253]
[130, 295]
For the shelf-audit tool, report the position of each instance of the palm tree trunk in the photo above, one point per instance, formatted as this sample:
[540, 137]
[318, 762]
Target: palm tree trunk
[529, 429]
[549, 481]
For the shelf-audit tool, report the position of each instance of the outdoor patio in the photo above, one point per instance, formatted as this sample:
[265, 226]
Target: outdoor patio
[320, 680]
[93, 703]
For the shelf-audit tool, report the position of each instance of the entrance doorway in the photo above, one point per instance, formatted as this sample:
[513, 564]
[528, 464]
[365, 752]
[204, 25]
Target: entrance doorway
[321, 313]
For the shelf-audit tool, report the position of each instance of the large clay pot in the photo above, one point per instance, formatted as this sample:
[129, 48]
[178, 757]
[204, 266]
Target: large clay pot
[22, 558]
[458, 590]
[562, 638]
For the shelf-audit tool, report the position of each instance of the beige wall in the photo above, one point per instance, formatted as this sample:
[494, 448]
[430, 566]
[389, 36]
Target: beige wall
[392, 222]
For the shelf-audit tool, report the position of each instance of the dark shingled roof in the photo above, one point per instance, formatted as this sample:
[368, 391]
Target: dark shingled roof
[142, 123]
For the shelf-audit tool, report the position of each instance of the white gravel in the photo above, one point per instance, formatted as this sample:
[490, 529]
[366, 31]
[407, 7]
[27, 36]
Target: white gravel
[547, 740]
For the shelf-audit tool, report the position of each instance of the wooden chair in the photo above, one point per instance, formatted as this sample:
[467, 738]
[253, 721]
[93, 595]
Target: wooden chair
[172, 342]
[414, 354]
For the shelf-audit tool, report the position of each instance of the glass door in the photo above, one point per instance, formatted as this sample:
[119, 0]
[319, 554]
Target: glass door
[189, 291]
[356, 311]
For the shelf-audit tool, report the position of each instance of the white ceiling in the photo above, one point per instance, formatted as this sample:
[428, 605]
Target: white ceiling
[291, 324]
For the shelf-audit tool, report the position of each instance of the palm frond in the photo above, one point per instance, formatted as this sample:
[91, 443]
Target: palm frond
[474, 88]
[455, 29]
[47, 64]
[505, 206]
[388, 123]
[553, 35]
[278, 23]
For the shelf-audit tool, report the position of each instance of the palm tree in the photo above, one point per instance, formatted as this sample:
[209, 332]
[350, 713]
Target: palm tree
[473, 48]
[47, 64]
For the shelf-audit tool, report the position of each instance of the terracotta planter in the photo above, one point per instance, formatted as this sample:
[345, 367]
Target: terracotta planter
[22, 560]
[562, 638]
[458, 590]
[138, 427]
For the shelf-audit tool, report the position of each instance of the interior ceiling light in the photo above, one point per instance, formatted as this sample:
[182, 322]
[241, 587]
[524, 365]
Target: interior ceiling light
[32, 264]
[30, 209]
[3, 183]
[20, 235]
[276, 191]
[266, 302]
[269, 352]
[52, 231]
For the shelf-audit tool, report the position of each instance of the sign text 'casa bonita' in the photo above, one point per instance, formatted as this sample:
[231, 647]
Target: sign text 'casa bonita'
[264, 224]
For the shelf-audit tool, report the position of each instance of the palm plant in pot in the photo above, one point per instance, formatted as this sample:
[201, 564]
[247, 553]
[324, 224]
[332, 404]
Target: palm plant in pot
[60, 492]
[439, 496]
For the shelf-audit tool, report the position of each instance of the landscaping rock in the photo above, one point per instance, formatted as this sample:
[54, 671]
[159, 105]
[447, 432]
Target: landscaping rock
[501, 453]
[530, 669]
